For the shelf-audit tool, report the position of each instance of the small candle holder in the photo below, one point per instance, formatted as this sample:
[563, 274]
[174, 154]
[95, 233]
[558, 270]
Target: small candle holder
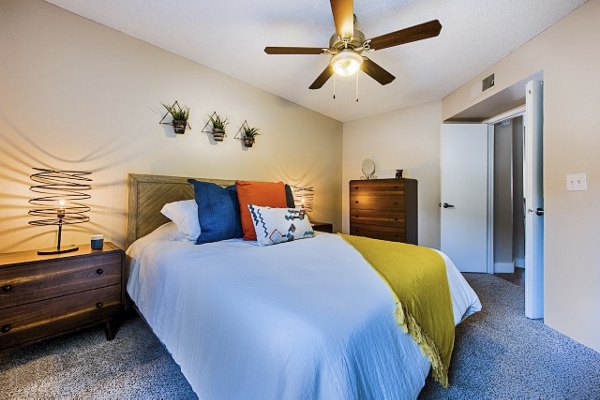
[97, 242]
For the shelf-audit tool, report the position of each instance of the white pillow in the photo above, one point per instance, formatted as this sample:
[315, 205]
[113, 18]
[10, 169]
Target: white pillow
[185, 215]
[279, 225]
[167, 231]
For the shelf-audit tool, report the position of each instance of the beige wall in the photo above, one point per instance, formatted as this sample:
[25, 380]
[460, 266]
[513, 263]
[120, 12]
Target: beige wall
[77, 95]
[568, 54]
[408, 139]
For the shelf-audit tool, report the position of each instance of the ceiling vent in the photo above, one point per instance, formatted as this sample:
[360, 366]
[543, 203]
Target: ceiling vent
[487, 83]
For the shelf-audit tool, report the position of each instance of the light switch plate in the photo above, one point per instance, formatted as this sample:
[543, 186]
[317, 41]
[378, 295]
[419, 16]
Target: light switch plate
[577, 182]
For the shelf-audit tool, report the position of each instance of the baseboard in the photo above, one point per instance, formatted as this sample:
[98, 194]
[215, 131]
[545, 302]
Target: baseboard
[520, 262]
[504, 268]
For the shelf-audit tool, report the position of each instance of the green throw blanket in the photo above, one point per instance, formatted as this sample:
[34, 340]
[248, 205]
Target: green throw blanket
[417, 277]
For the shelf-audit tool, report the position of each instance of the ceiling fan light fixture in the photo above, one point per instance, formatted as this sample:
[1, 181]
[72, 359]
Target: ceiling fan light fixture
[346, 63]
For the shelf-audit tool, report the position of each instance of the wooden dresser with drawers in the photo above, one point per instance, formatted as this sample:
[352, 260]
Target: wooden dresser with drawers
[384, 209]
[45, 296]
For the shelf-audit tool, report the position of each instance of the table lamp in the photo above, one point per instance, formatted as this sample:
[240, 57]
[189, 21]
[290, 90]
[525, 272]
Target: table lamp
[59, 204]
[304, 197]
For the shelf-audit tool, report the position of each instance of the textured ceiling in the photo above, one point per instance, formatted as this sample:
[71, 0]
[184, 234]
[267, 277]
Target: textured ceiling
[229, 36]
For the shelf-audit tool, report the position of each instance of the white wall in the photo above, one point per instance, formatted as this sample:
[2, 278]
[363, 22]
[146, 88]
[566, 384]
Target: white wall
[77, 95]
[568, 54]
[503, 201]
[408, 139]
[518, 209]
[509, 228]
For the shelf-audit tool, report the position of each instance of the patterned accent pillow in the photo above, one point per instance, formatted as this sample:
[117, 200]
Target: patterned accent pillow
[279, 225]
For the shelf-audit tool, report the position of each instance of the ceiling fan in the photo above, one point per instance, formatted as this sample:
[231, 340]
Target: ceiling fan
[348, 44]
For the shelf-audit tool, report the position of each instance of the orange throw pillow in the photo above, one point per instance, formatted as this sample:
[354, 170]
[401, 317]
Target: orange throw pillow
[265, 194]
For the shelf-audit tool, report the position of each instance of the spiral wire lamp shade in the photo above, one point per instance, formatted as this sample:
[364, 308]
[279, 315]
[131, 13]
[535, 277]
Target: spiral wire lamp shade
[59, 202]
[304, 197]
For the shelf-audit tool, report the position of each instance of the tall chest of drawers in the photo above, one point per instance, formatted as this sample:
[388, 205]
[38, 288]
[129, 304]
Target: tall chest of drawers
[45, 296]
[384, 209]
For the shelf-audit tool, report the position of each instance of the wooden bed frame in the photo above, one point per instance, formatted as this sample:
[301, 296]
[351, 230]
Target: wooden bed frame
[149, 193]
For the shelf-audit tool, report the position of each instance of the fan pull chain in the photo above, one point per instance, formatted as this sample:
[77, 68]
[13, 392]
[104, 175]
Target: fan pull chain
[334, 86]
[357, 87]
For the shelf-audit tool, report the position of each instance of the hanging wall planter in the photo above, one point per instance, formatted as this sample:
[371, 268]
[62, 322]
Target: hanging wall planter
[216, 126]
[179, 117]
[248, 141]
[247, 134]
[179, 126]
[218, 134]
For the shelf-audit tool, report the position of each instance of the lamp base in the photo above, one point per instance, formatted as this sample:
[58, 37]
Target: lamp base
[59, 250]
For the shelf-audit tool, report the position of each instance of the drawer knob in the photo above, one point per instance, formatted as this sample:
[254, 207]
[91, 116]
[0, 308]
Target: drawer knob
[6, 288]
[6, 328]
[99, 304]
[99, 271]
[355, 201]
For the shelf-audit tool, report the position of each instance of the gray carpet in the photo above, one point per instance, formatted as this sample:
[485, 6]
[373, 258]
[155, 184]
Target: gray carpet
[499, 354]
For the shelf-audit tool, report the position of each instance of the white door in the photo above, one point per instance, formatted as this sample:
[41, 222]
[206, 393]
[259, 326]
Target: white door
[534, 201]
[464, 180]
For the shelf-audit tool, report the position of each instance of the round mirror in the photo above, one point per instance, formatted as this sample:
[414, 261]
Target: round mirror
[368, 168]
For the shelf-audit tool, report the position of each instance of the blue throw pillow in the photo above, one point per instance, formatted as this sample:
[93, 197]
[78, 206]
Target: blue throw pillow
[289, 196]
[218, 212]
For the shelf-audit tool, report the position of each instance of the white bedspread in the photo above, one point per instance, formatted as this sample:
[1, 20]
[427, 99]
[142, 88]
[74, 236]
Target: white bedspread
[301, 320]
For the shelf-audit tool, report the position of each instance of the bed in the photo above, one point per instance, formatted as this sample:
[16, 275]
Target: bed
[305, 319]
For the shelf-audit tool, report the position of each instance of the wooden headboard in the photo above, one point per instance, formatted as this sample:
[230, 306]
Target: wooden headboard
[149, 193]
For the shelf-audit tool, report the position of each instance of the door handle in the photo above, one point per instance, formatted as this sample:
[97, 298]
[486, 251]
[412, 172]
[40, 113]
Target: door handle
[538, 211]
[446, 205]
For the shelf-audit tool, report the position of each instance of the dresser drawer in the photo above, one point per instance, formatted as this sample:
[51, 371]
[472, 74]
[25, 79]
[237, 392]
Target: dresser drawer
[376, 202]
[33, 321]
[393, 234]
[377, 217]
[377, 187]
[28, 283]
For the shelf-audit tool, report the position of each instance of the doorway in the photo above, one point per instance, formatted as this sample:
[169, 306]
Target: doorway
[522, 209]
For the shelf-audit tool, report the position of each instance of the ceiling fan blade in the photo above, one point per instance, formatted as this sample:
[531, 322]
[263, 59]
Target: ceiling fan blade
[343, 16]
[294, 50]
[418, 32]
[376, 72]
[321, 79]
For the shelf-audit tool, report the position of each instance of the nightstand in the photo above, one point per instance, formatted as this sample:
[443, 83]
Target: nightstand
[46, 296]
[322, 226]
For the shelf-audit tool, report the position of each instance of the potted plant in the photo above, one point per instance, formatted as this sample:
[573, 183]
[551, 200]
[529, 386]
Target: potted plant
[218, 126]
[180, 117]
[250, 134]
